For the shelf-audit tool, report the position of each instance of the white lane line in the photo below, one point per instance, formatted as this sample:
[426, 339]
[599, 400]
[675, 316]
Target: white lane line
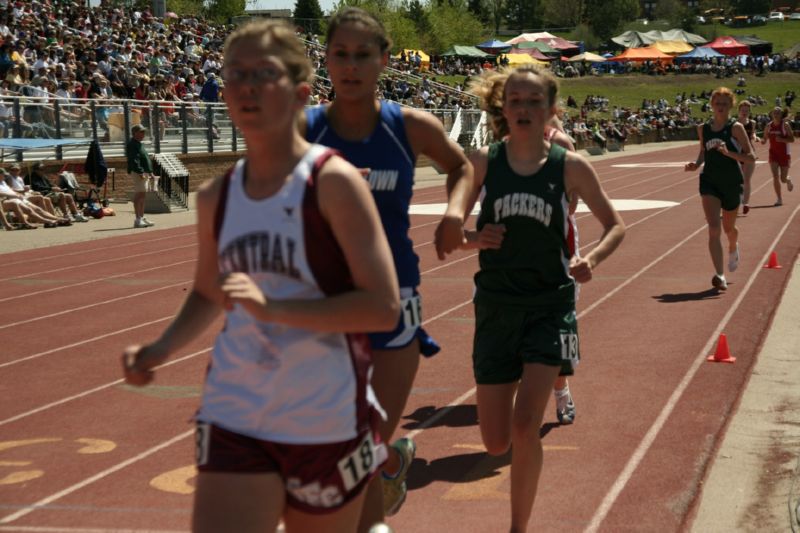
[83, 266]
[101, 248]
[97, 477]
[96, 280]
[84, 341]
[647, 441]
[46, 529]
[68, 399]
[83, 307]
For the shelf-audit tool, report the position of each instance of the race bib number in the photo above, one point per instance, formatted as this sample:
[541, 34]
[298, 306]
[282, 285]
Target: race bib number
[569, 347]
[359, 464]
[412, 311]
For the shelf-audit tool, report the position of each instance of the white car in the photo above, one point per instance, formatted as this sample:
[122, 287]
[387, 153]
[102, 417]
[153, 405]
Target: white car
[794, 16]
[776, 15]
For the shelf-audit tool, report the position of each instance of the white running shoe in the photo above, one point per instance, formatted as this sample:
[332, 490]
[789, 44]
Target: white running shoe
[147, 223]
[733, 259]
[719, 282]
[789, 185]
[565, 407]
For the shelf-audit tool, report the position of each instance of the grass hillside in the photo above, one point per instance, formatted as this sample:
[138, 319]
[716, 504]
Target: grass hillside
[782, 35]
[630, 90]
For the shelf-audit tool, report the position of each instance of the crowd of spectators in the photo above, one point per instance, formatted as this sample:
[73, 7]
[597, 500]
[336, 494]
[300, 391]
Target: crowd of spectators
[62, 50]
[57, 50]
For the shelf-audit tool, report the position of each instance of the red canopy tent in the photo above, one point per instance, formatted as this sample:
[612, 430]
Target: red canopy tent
[729, 46]
[564, 46]
[533, 52]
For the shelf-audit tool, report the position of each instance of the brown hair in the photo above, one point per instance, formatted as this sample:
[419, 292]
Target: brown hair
[357, 15]
[280, 35]
[490, 89]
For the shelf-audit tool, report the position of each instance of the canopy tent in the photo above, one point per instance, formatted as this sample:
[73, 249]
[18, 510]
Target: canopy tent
[425, 58]
[567, 48]
[793, 51]
[32, 144]
[673, 47]
[701, 52]
[636, 39]
[758, 47]
[521, 59]
[537, 45]
[465, 51]
[587, 56]
[493, 47]
[729, 46]
[647, 53]
[534, 53]
[530, 37]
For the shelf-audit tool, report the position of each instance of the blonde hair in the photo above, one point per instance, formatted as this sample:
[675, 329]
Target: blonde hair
[723, 92]
[745, 103]
[276, 35]
[490, 89]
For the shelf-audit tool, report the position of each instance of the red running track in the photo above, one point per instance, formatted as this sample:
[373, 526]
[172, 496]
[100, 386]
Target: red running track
[80, 451]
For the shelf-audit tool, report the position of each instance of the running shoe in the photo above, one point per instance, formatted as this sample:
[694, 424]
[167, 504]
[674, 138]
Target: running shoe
[745, 209]
[719, 282]
[395, 489]
[777, 204]
[789, 185]
[733, 259]
[565, 407]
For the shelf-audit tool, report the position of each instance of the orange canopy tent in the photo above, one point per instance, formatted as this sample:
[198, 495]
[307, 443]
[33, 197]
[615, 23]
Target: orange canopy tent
[648, 53]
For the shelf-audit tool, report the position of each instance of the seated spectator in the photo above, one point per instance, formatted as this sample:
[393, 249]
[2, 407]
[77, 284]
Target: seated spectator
[64, 200]
[24, 211]
[4, 221]
[15, 180]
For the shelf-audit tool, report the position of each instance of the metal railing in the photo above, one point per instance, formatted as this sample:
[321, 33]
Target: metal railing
[172, 126]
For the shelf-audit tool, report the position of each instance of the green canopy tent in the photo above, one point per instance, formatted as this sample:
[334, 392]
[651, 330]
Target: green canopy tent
[542, 46]
[465, 51]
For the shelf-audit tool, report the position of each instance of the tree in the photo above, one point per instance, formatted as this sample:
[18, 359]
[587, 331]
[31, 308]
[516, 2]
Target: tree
[673, 11]
[562, 13]
[308, 15]
[750, 7]
[449, 26]
[224, 10]
[496, 8]
[186, 7]
[521, 14]
[479, 9]
[606, 17]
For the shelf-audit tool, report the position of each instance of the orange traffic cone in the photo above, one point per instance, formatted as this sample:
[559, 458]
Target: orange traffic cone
[723, 354]
[773, 261]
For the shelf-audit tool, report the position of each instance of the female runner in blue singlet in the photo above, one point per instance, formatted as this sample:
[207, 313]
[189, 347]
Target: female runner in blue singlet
[384, 140]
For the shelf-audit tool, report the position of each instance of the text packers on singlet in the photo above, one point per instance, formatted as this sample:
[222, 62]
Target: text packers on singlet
[522, 204]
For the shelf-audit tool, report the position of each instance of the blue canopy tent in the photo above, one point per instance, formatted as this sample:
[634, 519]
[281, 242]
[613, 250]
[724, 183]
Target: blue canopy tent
[95, 165]
[701, 52]
[494, 47]
[32, 144]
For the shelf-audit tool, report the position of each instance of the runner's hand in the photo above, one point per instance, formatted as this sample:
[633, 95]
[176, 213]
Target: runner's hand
[449, 235]
[240, 288]
[138, 363]
[580, 269]
[490, 237]
[690, 167]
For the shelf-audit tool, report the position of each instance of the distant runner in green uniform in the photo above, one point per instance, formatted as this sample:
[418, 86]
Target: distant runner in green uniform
[723, 145]
[525, 320]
